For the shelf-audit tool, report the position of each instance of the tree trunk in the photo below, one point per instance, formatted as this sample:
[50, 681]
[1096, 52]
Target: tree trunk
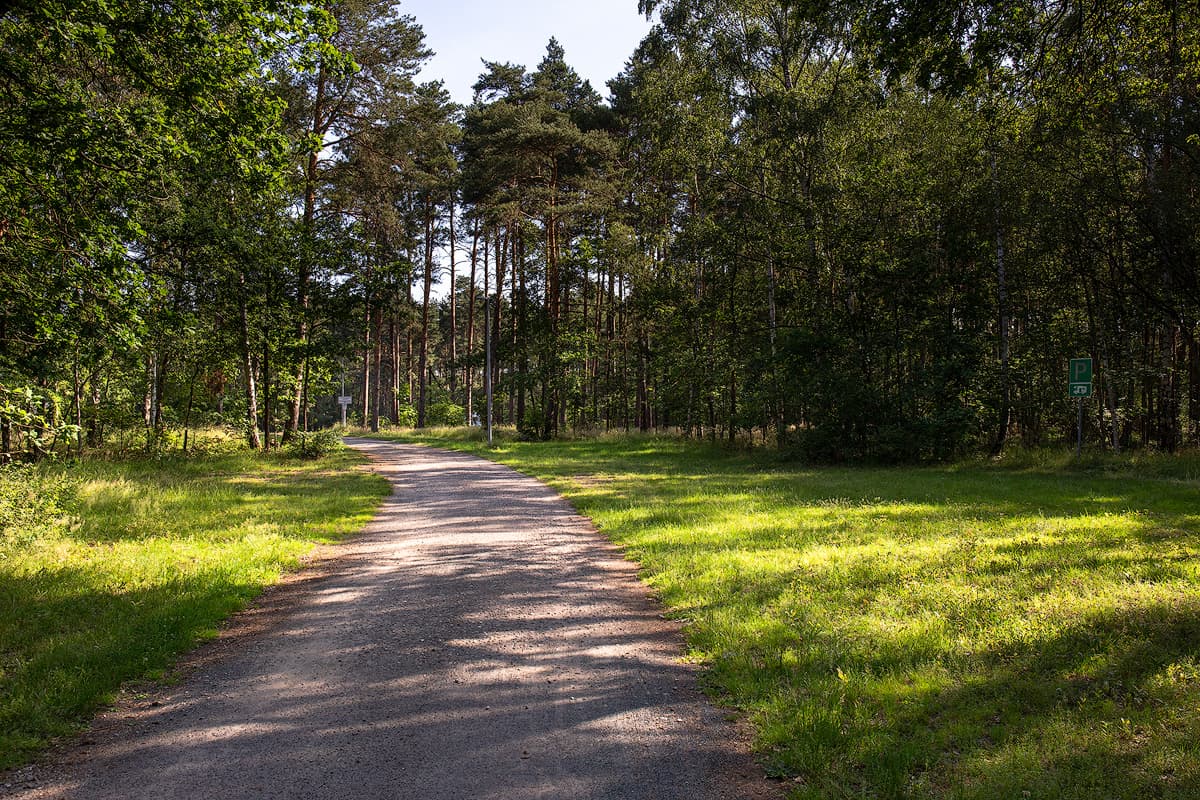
[469, 399]
[497, 330]
[585, 324]
[160, 390]
[1193, 348]
[610, 348]
[320, 124]
[375, 405]
[487, 338]
[423, 352]
[394, 337]
[366, 379]
[596, 329]
[187, 415]
[304, 404]
[626, 417]
[643, 387]
[453, 309]
[551, 399]
[266, 395]
[252, 437]
[1168, 392]
[487, 364]
[1005, 410]
[148, 396]
[6, 433]
[552, 275]
[410, 375]
[93, 438]
[520, 295]
[733, 406]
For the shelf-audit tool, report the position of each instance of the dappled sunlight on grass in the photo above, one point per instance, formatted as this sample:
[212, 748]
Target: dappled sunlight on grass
[967, 632]
[157, 555]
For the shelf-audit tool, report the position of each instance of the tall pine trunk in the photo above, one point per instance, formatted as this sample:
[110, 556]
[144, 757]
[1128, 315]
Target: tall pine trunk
[497, 330]
[375, 405]
[520, 297]
[366, 379]
[394, 341]
[94, 434]
[1005, 411]
[488, 385]
[303, 274]
[423, 352]
[266, 395]
[469, 399]
[453, 308]
[252, 437]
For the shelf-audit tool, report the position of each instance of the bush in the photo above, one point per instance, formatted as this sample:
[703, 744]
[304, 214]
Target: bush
[32, 502]
[445, 415]
[38, 420]
[408, 416]
[315, 444]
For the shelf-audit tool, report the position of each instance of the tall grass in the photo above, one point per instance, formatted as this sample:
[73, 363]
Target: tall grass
[1026, 630]
[110, 569]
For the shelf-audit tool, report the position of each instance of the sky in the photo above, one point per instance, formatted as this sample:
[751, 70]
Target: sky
[599, 36]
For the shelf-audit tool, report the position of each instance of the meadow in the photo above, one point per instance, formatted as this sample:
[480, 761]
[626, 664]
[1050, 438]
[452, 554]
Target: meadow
[109, 569]
[1016, 630]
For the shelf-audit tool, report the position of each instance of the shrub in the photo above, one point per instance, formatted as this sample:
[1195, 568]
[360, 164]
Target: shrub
[37, 419]
[407, 416]
[32, 502]
[315, 444]
[445, 415]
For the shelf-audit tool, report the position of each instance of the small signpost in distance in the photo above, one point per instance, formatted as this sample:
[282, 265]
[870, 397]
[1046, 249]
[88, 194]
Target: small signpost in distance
[1079, 384]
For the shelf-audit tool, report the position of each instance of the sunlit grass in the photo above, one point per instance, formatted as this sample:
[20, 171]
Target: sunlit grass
[1027, 630]
[153, 556]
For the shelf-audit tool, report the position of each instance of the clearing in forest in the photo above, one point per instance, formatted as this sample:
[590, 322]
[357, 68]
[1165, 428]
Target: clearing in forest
[976, 631]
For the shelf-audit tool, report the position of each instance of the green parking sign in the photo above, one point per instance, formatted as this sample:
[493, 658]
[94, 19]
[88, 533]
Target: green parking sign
[1080, 378]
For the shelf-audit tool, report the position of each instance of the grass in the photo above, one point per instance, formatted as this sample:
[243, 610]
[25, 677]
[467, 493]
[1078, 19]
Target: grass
[131, 562]
[981, 631]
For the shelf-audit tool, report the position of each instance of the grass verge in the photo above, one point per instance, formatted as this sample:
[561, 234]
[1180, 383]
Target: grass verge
[109, 570]
[979, 631]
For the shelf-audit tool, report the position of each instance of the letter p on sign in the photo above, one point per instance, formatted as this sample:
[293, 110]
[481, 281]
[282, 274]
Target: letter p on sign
[1080, 379]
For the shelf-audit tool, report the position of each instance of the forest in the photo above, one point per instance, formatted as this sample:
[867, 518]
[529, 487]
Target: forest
[872, 230]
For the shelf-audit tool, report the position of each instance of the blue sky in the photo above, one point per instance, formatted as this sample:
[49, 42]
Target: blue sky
[598, 36]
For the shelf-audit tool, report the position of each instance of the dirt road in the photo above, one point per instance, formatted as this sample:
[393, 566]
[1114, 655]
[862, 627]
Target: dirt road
[479, 640]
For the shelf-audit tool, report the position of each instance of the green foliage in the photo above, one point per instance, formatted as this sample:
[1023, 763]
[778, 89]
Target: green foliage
[157, 553]
[35, 419]
[858, 232]
[845, 211]
[105, 105]
[33, 502]
[315, 444]
[445, 414]
[530, 427]
[407, 418]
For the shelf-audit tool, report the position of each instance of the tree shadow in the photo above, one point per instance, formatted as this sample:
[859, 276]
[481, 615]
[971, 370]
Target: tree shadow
[455, 651]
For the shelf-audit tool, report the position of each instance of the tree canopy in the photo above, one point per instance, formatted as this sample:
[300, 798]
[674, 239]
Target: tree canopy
[868, 230]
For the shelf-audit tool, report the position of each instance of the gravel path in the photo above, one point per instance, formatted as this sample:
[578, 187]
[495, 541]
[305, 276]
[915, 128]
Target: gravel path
[479, 640]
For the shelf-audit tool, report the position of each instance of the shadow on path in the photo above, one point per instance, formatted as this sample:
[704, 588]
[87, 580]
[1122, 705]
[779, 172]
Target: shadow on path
[479, 640]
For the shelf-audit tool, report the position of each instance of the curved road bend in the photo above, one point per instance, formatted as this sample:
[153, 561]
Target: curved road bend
[479, 640]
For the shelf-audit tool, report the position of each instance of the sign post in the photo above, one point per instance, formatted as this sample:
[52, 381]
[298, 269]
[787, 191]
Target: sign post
[1079, 383]
[344, 401]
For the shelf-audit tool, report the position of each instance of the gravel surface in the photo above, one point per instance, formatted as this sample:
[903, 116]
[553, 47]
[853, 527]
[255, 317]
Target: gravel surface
[479, 640]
